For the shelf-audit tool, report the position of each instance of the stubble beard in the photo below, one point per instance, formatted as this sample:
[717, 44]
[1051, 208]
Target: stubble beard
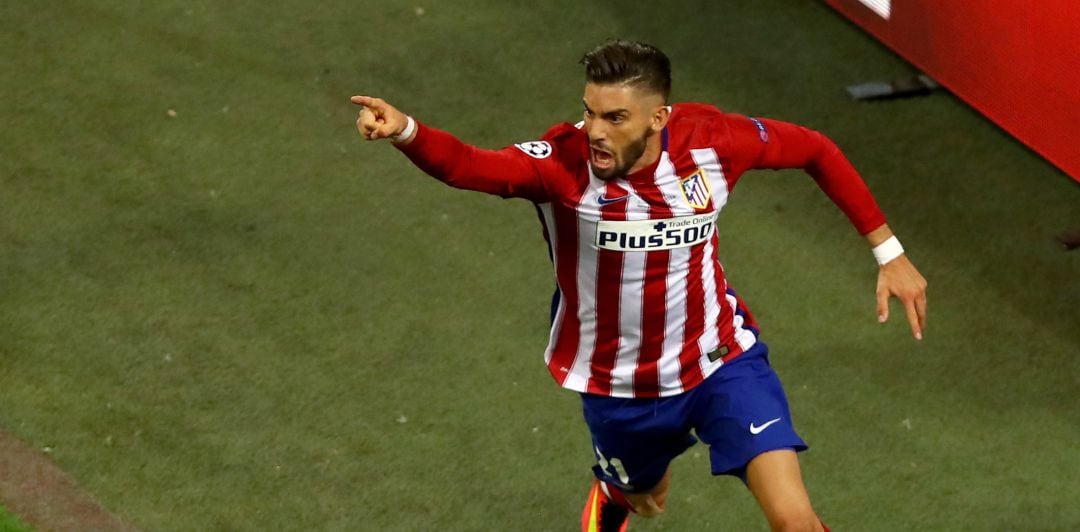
[628, 156]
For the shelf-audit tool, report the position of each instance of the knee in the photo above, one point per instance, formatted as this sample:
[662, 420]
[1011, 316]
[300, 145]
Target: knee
[648, 504]
[796, 521]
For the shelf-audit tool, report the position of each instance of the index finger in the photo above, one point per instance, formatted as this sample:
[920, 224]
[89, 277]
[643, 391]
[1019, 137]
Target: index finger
[920, 307]
[913, 319]
[366, 101]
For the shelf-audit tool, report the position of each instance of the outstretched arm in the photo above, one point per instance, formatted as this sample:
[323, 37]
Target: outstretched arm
[507, 172]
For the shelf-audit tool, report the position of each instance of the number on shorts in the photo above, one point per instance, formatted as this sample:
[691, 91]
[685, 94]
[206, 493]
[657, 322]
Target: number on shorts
[615, 464]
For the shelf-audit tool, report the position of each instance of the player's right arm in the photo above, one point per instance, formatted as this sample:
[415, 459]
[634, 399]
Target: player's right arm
[507, 172]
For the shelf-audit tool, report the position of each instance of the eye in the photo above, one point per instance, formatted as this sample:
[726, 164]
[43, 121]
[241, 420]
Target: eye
[617, 119]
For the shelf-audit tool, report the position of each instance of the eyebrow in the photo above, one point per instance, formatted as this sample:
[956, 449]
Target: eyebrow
[608, 114]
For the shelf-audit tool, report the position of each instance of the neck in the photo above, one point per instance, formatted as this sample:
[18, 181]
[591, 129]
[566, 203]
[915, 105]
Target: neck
[653, 147]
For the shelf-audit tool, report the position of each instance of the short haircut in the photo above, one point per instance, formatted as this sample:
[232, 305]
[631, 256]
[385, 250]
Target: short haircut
[634, 63]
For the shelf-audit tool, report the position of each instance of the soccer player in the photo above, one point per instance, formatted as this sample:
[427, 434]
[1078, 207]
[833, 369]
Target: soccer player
[644, 324]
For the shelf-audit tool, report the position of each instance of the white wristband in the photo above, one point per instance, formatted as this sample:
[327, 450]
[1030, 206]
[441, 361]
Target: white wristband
[410, 128]
[888, 250]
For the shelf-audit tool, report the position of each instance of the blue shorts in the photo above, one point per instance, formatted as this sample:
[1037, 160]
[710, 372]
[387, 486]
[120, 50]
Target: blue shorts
[740, 411]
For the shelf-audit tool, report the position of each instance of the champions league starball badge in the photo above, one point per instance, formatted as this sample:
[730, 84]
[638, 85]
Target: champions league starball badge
[536, 149]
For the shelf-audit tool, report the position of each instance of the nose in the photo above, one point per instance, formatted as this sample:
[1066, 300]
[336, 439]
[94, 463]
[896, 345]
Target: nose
[595, 130]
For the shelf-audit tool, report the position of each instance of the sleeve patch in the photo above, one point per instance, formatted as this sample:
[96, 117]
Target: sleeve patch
[763, 133]
[537, 149]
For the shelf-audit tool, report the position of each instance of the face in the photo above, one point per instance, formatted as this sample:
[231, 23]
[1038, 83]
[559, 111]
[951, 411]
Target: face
[622, 123]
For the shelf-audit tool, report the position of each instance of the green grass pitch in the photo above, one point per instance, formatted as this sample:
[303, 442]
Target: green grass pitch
[224, 311]
[10, 523]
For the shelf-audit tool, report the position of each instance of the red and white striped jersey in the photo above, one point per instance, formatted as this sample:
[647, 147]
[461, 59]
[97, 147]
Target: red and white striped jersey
[643, 307]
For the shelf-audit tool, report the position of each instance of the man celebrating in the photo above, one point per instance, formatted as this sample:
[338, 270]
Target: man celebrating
[644, 325]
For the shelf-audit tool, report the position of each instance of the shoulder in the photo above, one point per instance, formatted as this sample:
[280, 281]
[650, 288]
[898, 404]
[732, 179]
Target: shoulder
[704, 117]
[564, 131]
[567, 139]
[703, 123]
[698, 123]
[562, 143]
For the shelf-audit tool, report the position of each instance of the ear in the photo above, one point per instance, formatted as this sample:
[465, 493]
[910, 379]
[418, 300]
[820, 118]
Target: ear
[660, 118]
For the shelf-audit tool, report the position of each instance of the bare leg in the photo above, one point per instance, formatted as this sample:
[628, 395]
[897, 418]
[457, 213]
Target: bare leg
[606, 507]
[776, 482]
[653, 502]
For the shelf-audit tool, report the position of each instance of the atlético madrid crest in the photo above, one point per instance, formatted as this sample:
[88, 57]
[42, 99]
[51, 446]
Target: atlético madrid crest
[696, 189]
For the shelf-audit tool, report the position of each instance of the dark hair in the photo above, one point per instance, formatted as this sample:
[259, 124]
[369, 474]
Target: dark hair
[635, 63]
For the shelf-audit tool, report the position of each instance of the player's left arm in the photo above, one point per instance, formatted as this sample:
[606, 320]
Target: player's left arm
[899, 278]
[776, 145]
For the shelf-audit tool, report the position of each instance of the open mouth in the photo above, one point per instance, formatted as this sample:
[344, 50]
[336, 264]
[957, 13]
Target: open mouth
[601, 158]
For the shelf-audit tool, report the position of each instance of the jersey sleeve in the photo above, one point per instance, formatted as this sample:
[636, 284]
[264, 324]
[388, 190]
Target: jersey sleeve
[511, 172]
[772, 144]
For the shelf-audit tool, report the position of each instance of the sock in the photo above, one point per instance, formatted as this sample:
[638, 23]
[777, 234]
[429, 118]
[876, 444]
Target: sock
[613, 518]
[615, 495]
[602, 513]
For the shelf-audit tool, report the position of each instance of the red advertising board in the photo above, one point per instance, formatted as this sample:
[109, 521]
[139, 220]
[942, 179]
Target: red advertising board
[1016, 61]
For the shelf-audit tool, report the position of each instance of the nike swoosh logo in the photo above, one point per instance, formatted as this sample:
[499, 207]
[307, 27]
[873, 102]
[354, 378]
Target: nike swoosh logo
[604, 200]
[757, 430]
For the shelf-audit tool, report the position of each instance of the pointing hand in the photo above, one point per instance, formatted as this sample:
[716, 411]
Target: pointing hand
[378, 119]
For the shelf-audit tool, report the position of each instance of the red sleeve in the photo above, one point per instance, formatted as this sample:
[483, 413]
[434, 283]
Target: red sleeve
[508, 172]
[772, 144]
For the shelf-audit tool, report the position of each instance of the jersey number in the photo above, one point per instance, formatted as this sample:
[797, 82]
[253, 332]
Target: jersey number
[615, 465]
